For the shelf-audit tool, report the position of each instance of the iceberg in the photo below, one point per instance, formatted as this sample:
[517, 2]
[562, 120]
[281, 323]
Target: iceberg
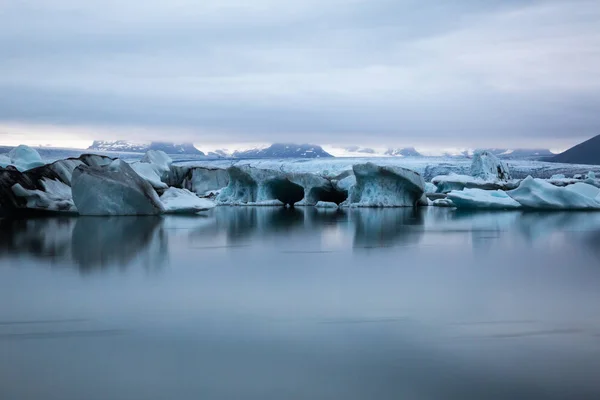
[154, 167]
[385, 186]
[113, 189]
[326, 204]
[159, 159]
[448, 183]
[22, 157]
[488, 167]
[483, 199]
[182, 201]
[430, 187]
[540, 194]
[54, 196]
[251, 186]
[204, 181]
[258, 186]
[46, 187]
[487, 173]
[442, 203]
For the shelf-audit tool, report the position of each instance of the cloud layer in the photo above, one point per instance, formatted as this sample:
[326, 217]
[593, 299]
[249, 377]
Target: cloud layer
[394, 72]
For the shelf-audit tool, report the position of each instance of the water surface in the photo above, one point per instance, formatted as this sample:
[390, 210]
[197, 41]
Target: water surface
[270, 303]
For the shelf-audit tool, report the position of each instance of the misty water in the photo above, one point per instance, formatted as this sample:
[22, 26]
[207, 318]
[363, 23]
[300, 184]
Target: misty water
[271, 303]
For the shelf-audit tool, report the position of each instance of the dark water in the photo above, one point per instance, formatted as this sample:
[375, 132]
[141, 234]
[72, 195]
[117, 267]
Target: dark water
[267, 303]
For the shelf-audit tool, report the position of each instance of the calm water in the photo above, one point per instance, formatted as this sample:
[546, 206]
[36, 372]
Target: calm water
[268, 303]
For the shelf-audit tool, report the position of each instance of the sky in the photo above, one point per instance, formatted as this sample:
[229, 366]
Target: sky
[424, 73]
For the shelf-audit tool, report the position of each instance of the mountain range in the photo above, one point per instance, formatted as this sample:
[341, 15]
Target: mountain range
[291, 150]
[127, 146]
[284, 150]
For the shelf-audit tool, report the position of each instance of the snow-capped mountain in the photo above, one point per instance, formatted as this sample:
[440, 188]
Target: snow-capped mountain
[133, 147]
[528, 154]
[403, 152]
[284, 150]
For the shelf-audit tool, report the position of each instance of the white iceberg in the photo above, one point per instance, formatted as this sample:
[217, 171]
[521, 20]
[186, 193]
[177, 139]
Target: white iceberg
[159, 159]
[114, 189]
[483, 199]
[385, 186]
[150, 174]
[182, 201]
[540, 194]
[154, 167]
[55, 196]
[442, 203]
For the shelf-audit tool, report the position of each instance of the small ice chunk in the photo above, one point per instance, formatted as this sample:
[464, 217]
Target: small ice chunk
[182, 201]
[326, 204]
[443, 203]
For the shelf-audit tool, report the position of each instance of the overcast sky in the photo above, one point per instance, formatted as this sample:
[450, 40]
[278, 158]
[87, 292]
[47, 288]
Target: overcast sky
[501, 73]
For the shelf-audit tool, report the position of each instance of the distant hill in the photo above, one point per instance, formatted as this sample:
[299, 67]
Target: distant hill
[284, 150]
[587, 152]
[127, 146]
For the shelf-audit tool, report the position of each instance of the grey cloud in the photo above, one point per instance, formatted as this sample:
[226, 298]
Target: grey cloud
[378, 71]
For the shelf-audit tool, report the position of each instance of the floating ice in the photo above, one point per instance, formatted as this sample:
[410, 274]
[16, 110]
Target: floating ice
[154, 167]
[182, 201]
[591, 175]
[430, 187]
[253, 186]
[385, 186]
[114, 189]
[326, 204]
[442, 203]
[539, 194]
[448, 183]
[203, 181]
[488, 167]
[159, 159]
[22, 157]
[483, 199]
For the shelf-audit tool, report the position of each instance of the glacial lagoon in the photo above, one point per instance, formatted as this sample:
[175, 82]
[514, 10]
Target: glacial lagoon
[275, 303]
